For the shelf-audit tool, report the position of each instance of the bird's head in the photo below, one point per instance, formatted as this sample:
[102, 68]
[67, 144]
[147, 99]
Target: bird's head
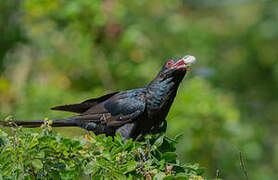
[179, 66]
[168, 79]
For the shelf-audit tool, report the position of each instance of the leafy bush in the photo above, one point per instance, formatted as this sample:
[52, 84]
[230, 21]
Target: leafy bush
[29, 154]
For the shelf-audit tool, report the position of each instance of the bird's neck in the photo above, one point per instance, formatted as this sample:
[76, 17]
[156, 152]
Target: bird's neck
[162, 92]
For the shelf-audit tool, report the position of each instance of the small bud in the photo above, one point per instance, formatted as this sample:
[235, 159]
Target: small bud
[118, 158]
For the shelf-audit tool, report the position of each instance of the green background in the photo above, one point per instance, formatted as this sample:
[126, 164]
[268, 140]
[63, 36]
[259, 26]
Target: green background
[64, 51]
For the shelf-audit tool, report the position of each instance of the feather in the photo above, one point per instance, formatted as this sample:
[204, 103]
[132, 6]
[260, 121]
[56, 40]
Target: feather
[85, 105]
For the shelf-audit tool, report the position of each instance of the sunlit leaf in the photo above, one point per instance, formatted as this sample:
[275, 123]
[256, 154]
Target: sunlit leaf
[37, 164]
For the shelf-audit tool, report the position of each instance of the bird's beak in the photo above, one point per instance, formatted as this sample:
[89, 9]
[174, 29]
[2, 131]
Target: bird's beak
[185, 62]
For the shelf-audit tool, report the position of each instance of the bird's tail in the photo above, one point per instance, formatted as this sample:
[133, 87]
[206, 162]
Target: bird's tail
[38, 123]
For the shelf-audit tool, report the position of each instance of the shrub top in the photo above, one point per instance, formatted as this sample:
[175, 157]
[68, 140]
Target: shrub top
[40, 154]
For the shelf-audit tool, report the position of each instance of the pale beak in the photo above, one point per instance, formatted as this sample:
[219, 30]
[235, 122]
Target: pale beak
[185, 62]
[189, 60]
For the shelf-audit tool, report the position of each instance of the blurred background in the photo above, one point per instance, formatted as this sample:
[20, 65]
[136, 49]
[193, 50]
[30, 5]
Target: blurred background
[64, 51]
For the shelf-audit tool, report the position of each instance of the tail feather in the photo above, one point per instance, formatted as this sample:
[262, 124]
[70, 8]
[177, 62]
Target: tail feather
[38, 123]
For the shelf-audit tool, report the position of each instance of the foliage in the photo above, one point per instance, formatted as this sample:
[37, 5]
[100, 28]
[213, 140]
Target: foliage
[44, 154]
[64, 51]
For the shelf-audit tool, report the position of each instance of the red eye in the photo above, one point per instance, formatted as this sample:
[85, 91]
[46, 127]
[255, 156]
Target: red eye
[169, 63]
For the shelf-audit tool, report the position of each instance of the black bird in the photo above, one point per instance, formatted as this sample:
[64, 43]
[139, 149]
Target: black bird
[131, 113]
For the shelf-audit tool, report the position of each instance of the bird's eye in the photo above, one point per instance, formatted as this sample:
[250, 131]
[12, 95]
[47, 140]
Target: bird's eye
[169, 63]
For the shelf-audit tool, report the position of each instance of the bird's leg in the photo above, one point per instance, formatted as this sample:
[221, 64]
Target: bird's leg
[127, 131]
[97, 128]
[100, 129]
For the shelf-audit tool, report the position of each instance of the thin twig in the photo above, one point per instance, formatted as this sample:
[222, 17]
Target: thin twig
[243, 166]
[171, 139]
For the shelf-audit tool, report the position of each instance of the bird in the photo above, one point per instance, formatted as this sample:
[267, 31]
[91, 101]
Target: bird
[131, 113]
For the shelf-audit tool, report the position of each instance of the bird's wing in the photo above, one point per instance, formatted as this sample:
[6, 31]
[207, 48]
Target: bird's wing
[85, 105]
[120, 109]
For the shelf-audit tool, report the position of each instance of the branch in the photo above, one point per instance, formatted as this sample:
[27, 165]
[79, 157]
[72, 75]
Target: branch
[243, 166]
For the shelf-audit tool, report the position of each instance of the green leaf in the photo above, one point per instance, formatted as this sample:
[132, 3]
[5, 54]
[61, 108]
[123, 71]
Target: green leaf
[37, 164]
[178, 137]
[177, 177]
[33, 143]
[159, 176]
[60, 165]
[118, 175]
[90, 168]
[127, 144]
[157, 143]
[170, 157]
[131, 165]
[41, 154]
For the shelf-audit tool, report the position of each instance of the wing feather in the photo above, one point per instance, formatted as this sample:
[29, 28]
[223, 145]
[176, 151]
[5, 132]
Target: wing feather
[85, 105]
[116, 111]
